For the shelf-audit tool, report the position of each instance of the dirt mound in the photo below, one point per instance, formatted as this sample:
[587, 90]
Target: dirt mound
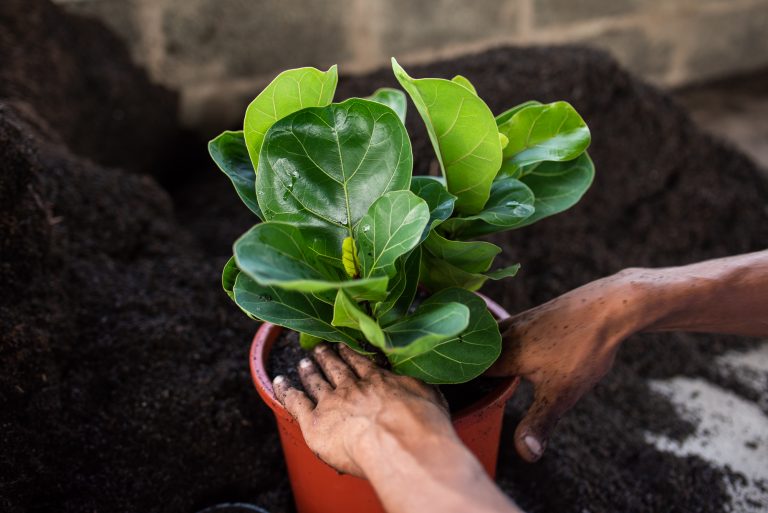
[123, 368]
[123, 377]
[79, 77]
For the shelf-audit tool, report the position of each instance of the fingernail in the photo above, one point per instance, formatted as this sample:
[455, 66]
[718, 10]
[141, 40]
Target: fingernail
[305, 363]
[320, 348]
[278, 380]
[533, 445]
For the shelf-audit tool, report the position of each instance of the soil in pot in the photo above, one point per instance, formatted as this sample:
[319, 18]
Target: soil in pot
[287, 352]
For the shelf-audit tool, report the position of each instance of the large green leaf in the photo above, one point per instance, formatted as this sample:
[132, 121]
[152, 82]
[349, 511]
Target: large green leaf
[507, 114]
[429, 325]
[439, 200]
[474, 256]
[461, 358]
[347, 313]
[290, 91]
[327, 165]
[298, 257]
[392, 98]
[558, 186]
[291, 309]
[392, 227]
[402, 289]
[463, 132]
[543, 133]
[228, 151]
[511, 203]
[438, 274]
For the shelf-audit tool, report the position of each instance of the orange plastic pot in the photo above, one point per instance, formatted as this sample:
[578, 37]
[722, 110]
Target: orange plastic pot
[317, 487]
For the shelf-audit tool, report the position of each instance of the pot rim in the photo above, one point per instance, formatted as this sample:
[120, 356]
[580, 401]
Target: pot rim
[264, 340]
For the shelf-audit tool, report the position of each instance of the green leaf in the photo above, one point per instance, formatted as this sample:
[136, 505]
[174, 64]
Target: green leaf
[347, 313]
[402, 289]
[308, 342]
[391, 228]
[439, 200]
[228, 151]
[429, 325]
[507, 114]
[558, 186]
[464, 82]
[289, 92]
[504, 272]
[449, 263]
[327, 165]
[511, 203]
[544, 133]
[463, 132]
[228, 277]
[392, 98]
[474, 256]
[461, 358]
[290, 309]
[289, 256]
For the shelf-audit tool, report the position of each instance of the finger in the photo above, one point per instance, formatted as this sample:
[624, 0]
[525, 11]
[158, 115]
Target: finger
[312, 379]
[533, 432]
[362, 366]
[333, 367]
[295, 401]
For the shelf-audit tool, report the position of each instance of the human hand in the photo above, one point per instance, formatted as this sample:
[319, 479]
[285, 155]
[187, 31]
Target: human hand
[353, 408]
[564, 347]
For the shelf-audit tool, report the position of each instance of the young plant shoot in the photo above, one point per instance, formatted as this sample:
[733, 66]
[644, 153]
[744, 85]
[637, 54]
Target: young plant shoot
[347, 234]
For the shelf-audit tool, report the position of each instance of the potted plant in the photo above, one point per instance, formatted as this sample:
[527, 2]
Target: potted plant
[347, 235]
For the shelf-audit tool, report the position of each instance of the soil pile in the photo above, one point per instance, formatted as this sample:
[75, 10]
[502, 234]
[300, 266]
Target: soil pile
[123, 368]
[79, 77]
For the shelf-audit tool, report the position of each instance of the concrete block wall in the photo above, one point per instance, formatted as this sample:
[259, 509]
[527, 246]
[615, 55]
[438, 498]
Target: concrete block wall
[216, 50]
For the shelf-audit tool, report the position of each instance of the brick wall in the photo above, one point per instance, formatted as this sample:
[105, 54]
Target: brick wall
[216, 50]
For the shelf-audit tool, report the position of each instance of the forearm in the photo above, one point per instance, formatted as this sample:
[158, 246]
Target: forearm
[432, 472]
[728, 295]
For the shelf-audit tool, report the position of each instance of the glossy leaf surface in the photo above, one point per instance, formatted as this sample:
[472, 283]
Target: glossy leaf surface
[228, 151]
[543, 133]
[439, 200]
[347, 313]
[507, 114]
[291, 309]
[402, 289]
[290, 91]
[429, 325]
[296, 257]
[558, 186]
[391, 228]
[461, 358]
[463, 132]
[392, 98]
[327, 165]
[474, 256]
[511, 203]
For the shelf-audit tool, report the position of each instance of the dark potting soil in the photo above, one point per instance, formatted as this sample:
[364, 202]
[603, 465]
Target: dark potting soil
[124, 381]
[287, 352]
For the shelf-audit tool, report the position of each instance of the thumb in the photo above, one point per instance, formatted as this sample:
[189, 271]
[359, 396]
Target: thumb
[532, 433]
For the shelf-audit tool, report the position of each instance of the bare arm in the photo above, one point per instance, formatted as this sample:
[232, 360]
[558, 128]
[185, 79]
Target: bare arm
[566, 345]
[392, 430]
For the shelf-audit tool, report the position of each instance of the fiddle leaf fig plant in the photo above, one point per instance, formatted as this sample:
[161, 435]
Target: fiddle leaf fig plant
[345, 235]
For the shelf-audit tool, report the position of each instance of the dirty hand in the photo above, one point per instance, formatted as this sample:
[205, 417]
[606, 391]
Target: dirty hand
[353, 407]
[563, 348]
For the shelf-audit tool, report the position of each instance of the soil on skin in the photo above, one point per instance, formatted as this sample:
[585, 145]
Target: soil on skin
[124, 380]
[287, 352]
